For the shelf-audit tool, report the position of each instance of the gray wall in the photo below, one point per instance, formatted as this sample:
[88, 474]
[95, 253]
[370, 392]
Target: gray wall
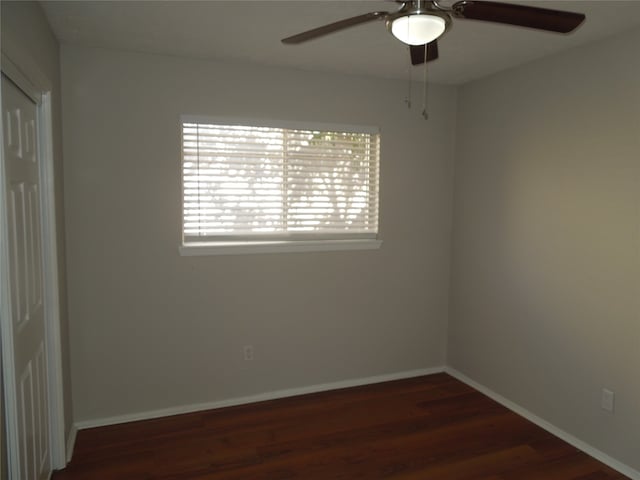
[151, 329]
[545, 275]
[30, 44]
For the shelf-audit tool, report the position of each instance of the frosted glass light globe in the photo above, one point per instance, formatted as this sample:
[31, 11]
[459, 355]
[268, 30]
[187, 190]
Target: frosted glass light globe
[418, 29]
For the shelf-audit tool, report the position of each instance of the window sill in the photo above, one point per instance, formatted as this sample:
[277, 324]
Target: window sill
[237, 248]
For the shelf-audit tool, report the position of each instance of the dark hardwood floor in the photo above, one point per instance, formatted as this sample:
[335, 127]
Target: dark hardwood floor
[432, 427]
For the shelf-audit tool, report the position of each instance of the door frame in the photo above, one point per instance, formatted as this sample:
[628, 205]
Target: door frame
[36, 87]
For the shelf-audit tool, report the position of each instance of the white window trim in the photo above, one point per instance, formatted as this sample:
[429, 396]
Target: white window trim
[237, 248]
[276, 246]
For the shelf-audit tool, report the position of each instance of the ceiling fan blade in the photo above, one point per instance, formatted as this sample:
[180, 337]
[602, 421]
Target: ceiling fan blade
[521, 15]
[418, 51]
[334, 27]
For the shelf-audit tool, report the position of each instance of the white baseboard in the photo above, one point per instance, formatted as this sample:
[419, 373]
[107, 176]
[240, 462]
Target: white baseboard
[71, 442]
[570, 439]
[166, 412]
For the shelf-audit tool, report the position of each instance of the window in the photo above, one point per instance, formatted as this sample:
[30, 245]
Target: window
[258, 187]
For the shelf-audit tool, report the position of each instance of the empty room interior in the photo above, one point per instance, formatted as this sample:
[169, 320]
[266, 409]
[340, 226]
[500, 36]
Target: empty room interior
[498, 259]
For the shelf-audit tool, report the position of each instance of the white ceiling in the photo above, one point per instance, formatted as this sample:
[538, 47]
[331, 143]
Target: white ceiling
[250, 31]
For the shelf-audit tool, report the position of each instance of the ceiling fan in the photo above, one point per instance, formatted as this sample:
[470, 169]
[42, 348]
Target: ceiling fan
[419, 23]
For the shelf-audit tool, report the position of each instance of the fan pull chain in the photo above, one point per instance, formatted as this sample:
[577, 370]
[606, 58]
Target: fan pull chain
[425, 114]
[407, 99]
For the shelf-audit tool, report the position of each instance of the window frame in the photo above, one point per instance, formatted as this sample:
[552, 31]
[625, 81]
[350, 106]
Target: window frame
[246, 245]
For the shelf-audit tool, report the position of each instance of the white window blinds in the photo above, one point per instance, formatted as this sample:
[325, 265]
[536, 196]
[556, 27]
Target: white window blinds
[264, 183]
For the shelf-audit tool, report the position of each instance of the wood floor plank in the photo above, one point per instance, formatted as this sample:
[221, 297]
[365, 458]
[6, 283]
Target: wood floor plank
[431, 427]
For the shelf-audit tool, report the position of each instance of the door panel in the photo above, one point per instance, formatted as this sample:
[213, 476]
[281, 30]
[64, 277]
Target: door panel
[22, 176]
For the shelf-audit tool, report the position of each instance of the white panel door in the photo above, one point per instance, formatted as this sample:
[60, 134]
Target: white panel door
[22, 204]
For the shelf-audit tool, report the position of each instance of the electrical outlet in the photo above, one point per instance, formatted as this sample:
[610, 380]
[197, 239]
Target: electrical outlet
[248, 352]
[608, 400]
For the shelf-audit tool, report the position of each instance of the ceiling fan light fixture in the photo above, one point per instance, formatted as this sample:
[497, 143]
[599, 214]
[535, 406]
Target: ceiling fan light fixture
[418, 29]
